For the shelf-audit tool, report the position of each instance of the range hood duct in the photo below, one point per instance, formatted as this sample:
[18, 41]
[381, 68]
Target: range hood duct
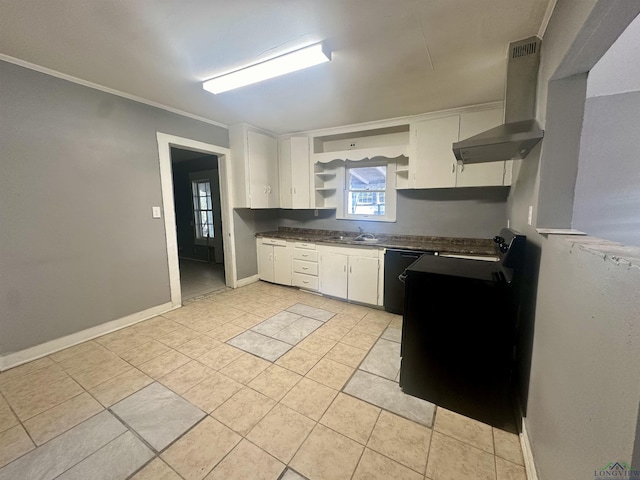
[520, 132]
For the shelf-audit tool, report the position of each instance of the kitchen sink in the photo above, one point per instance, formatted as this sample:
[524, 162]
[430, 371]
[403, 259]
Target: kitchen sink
[366, 238]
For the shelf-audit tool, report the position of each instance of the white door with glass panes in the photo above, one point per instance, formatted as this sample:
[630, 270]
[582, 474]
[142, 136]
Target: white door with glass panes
[207, 214]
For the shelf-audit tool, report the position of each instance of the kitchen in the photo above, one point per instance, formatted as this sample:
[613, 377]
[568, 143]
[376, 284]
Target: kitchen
[560, 395]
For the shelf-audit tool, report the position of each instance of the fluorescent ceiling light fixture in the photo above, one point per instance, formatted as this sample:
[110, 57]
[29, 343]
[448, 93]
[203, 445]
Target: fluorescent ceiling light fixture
[289, 62]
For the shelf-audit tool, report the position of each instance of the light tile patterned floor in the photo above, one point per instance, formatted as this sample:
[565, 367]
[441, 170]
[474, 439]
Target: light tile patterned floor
[212, 391]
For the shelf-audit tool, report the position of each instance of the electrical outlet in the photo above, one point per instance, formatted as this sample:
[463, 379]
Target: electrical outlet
[156, 212]
[315, 212]
[530, 216]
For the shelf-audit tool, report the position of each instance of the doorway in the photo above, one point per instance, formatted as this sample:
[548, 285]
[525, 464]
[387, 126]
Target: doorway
[213, 240]
[196, 194]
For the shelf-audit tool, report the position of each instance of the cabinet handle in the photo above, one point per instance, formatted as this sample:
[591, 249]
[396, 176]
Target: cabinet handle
[294, 189]
[271, 257]
[305, 281]
[453, 168]
[462, 166]
[305, 268]
[350, 269]
[345, 268]
[305, 255]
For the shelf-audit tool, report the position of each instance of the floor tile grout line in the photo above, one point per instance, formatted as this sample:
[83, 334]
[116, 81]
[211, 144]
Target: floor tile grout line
[102, 408]
[324, 355]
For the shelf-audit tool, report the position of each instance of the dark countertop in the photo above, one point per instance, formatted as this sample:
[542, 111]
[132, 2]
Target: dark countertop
[446, 245]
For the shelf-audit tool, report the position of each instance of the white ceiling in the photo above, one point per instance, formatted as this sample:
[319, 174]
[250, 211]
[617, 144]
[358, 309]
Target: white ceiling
[391, 58]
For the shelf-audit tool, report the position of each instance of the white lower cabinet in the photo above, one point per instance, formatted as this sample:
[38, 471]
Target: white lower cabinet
[362, 284]
[305, 266]
[274, 260]
[351, 273]
[333, 274]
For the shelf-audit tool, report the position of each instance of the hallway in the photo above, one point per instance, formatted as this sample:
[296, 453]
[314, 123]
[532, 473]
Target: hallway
[199, 278]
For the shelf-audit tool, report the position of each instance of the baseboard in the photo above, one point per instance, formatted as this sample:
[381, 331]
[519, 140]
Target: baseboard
[527, 453]
[247, 281]
[47, 348]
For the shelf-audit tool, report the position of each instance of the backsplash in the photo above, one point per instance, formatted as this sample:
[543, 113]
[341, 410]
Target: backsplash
[459, 212]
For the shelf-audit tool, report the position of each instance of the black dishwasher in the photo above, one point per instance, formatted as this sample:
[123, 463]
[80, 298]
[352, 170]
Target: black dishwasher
[395, 262]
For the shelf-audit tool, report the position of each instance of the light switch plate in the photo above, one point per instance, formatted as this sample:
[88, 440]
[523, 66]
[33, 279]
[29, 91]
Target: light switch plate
[156, 212]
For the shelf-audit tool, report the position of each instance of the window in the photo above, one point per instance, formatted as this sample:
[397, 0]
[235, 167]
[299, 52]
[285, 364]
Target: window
[202, 209]
[366, 187]
[369, 192]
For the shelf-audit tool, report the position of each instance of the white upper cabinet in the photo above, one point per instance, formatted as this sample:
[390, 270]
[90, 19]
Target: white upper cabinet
[481, 174]
[294, 166]
[432, 163]
[254, 164]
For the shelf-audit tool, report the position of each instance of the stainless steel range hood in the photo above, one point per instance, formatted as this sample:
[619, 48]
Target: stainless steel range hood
[520, 132]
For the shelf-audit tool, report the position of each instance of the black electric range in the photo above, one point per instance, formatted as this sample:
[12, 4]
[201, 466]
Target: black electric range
[458, 332]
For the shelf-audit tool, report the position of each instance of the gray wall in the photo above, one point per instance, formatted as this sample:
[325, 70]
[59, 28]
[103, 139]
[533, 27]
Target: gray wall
[584, 394]
[246, 224]
[580, 311]
[607, 200]
[460, 212]
[80, 173]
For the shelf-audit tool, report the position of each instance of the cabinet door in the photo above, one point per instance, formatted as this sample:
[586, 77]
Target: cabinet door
[285, 171]
[432, 163]
[282, 265]
[333, 274]
[300, 171]
[480, 174]
[363, 280]
[263, 170]
[265, 262]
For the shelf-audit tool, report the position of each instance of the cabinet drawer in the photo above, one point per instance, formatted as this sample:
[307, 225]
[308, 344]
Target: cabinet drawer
[305, 281]
[275, 241]
[305, 245]
[307, 255]
[309, 268]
